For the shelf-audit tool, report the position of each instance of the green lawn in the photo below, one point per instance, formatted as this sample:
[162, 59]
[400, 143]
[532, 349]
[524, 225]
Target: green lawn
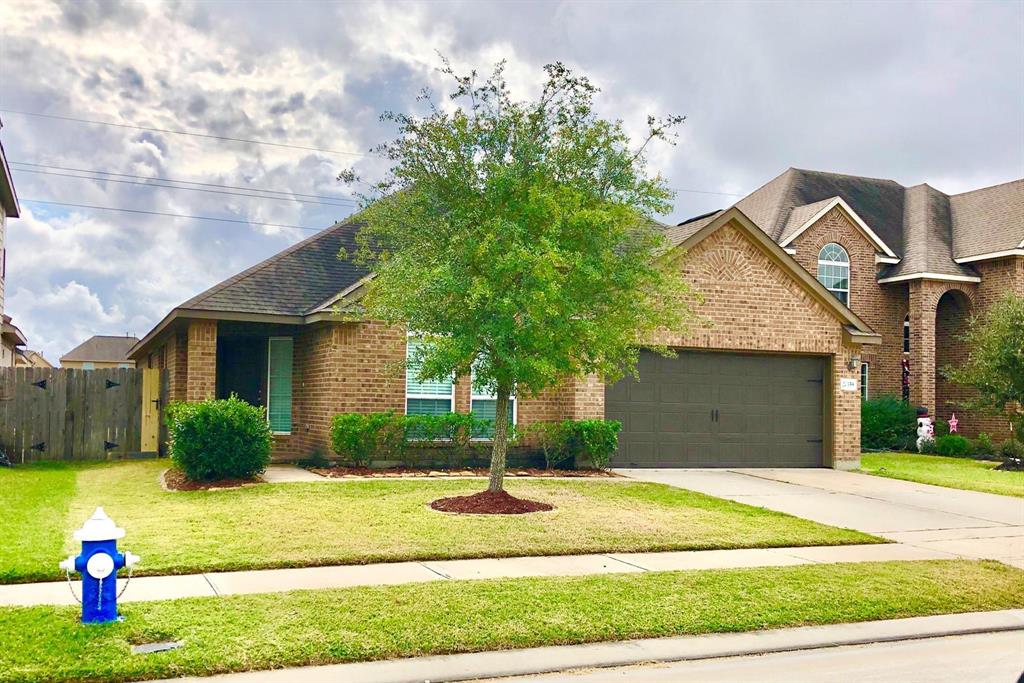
[290, 525]
[317, 627]
[958, 473]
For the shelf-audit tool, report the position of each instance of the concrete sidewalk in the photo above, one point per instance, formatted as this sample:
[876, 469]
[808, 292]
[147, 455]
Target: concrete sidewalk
[532, 661]
[393, 573]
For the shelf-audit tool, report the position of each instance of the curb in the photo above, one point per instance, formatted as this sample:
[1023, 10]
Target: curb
[544, 660]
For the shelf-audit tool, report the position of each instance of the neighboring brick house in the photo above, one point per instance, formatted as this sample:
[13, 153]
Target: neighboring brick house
[10, 336]
[912, 262]
[100, 351]
[768, 378]
[27, 358]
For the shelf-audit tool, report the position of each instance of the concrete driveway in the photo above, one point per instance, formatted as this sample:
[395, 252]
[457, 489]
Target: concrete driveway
[961, 523]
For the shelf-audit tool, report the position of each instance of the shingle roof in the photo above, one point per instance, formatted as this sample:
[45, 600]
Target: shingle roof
[800, 215]
[877, 201]
[988, 220]
[676, 234]
[292, 282]
[922, 226]
[927, 236]
[101, 348]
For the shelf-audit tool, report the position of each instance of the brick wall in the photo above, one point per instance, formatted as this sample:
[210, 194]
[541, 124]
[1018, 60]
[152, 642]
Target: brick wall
[175, 354]
[201, 365]
[882, 307]
[752, 304]
[341, 368]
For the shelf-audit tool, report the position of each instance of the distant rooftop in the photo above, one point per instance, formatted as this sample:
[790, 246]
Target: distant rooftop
[101, 348]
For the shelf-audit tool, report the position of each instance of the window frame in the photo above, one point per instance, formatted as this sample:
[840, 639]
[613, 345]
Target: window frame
[430, 397]
[849, 271]
[474, 396]
[865, 377]
[291, 423]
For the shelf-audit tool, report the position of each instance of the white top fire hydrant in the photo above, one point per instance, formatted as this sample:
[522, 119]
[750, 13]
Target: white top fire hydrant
[98, 564]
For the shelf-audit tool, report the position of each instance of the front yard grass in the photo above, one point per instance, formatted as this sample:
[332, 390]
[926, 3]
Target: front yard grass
[356, 522]
[328, 626]
[958, 473]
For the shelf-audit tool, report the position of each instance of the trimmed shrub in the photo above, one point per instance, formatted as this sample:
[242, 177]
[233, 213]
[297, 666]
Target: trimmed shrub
[941, 427]
[359, 437]
[362, 438]
[888, 423]
[952, 445]
[225, 439]
[561, 442]
[983, 445]
[594, 440]
[928, 447]
[1012, 448]
[553, 439]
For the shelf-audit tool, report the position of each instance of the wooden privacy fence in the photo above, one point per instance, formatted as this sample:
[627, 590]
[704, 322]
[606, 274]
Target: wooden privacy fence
[62, 414]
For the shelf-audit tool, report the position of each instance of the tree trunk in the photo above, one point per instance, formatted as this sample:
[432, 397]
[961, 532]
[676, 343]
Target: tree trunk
[500, 446]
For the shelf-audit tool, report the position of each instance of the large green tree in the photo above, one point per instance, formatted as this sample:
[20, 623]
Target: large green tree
[995, 367]
[516, 237]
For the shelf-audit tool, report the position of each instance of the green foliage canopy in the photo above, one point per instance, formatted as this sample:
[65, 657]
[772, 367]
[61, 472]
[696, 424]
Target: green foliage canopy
[995, 368]
[517, 237]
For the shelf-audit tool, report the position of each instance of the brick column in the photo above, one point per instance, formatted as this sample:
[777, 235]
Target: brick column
[176, 363]
[202, 360]
[922, 344]
[588, 398]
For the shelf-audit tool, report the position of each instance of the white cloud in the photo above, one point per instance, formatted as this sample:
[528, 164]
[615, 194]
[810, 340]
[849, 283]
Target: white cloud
[906, 91]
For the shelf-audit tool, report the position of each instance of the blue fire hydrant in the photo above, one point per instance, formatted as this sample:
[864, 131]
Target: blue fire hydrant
[98, 564]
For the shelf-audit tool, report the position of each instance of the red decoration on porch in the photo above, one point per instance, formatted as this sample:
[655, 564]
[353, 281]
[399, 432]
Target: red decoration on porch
[906, 378]
[953, 422]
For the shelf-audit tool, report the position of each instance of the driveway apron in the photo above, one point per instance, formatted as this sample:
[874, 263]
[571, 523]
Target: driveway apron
[961, 523]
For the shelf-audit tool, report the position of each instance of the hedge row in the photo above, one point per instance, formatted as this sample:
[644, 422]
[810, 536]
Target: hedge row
[363, 438]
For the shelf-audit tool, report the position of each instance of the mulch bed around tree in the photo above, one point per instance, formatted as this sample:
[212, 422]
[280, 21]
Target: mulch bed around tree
[175, 480]
[464, 472]
[490, 503]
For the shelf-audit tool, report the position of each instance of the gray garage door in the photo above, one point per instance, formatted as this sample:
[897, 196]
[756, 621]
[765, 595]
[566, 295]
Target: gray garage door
[703, 409]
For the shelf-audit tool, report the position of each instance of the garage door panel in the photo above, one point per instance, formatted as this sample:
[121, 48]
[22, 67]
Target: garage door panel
[639, 422]
[672, 392]
[696, 420]
[768, 407]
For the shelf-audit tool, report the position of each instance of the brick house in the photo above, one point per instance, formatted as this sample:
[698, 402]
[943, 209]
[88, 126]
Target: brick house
[12, 340]
[100, 351]
[912, 262]
[770, 377]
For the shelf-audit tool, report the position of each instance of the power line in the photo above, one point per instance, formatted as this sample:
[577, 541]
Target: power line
[187, 182]
[255, 142]
[178, 187]
[185, 132]
[171, 215]
[727, 194]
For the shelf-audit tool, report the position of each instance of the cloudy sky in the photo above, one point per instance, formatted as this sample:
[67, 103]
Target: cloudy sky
[916, 92]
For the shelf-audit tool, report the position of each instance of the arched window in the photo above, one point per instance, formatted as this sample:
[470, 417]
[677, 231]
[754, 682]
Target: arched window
[834, 271]
[906, 334]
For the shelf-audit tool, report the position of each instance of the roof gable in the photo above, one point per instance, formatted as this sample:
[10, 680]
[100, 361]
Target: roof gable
[801, 218]
[856, 327]
[292, 282]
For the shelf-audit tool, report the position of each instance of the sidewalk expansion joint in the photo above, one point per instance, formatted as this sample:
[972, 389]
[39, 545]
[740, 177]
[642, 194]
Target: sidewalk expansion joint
[626, 562]
[435, 571]
[206, 577]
